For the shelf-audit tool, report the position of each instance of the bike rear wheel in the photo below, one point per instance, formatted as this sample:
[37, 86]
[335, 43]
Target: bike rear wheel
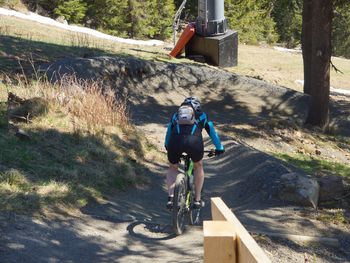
[179, 206]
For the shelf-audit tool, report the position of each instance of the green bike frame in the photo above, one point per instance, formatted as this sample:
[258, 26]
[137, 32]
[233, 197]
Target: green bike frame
[189, 173]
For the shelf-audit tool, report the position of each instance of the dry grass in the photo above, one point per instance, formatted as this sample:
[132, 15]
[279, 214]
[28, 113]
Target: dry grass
[89, 103]
[284, 68]
[53, 37]
[82, 149]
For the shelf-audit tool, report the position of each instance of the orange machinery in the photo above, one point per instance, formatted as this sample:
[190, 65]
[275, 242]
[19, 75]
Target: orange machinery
[185, 37]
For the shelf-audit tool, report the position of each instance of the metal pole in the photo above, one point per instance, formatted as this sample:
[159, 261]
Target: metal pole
[177, 20]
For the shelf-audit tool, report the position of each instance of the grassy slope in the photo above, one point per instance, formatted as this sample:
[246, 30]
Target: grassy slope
[30, 42]
[62, 166]
[284, 68]
[59, 167]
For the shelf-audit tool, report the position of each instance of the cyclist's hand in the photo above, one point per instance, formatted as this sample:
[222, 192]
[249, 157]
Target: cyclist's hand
[218, 152]
[211, 153]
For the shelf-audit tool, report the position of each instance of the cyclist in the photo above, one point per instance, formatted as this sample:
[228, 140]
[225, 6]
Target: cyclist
[184, 135]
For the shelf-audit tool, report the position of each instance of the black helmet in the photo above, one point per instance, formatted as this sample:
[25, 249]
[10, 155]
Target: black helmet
[196, 105]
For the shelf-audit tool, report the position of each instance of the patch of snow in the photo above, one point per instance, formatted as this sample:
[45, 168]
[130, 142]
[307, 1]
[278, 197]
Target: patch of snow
[282, 49]
[48, 21]
[340, 91]
[335, 91]
[300, 81]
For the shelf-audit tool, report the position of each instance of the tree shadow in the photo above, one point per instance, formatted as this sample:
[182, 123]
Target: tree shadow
[84, 239]
[19, 55]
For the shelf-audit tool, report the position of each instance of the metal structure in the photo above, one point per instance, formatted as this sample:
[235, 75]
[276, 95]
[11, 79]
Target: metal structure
[208, 39]
[176, 22]
[211, 20]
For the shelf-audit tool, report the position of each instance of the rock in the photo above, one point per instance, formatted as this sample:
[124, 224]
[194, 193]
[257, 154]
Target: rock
[19, 109]
[299, 189]
[318, 152]
[22, 135]
[331, 187]
[62, 20]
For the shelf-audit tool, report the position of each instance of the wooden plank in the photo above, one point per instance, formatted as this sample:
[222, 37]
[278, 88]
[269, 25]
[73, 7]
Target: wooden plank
[248, 251]
[219, 242]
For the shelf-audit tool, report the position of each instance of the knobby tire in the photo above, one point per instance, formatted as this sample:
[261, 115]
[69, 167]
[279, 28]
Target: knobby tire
[179, 206]
[192, 215]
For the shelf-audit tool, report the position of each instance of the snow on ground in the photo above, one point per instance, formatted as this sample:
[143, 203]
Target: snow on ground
[48, 21]
[282, 49]
[332, 90]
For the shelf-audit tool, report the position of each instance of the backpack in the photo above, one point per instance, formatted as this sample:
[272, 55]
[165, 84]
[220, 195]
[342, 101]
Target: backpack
[186, 115]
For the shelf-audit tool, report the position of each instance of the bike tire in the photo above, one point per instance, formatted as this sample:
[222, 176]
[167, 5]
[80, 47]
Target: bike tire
[179, 205]
[191, 215]
[194, 215]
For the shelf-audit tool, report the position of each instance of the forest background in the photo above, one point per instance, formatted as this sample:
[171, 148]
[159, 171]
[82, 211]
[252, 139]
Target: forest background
[257, 21]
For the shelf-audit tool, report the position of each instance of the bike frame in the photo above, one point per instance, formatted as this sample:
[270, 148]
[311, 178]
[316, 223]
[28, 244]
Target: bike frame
[189, 167]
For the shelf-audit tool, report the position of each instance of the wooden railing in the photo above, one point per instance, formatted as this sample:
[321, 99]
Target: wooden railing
[226, 239]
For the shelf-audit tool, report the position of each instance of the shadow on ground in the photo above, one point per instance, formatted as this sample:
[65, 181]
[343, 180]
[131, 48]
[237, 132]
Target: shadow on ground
[19, 55]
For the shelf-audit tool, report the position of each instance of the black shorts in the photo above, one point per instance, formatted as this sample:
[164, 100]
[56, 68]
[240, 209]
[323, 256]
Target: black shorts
[189, 144]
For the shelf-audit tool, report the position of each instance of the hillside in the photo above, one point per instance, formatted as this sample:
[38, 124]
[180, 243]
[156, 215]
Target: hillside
[72, 166]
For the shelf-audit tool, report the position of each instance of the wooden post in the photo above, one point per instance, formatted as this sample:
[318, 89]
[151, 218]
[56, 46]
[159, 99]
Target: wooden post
[248, 251]
[219, 242]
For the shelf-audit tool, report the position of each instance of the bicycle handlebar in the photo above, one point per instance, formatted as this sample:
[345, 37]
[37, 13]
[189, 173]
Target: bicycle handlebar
[210, 153]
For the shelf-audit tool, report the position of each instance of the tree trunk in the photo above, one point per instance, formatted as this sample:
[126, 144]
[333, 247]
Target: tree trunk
[306, 43]
[321, 28]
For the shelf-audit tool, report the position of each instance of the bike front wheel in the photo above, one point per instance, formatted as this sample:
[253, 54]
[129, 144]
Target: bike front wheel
[179, 206]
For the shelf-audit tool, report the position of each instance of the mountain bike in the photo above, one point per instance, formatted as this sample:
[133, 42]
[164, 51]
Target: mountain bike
[184, 195]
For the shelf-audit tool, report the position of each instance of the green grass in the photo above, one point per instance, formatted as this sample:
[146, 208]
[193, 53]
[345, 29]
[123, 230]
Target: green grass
[312, 165]
[334, 216]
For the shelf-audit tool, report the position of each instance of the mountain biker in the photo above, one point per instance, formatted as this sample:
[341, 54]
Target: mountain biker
[184, 135]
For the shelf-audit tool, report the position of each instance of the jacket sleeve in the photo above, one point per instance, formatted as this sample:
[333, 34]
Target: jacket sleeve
[168, 132]
[209, 127]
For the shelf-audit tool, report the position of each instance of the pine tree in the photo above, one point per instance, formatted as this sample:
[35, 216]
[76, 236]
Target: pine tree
[252, 19]
[111, 16]
[341, 30]
[162, 19]
[288, 19]
[73, 11]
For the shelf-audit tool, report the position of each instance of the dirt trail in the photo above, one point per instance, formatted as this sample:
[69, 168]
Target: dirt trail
[134, 226]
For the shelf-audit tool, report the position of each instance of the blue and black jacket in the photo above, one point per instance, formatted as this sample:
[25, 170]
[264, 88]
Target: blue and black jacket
[195, 129]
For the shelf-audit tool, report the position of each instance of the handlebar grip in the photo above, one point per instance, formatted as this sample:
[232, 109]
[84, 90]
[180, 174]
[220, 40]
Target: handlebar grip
[211, 153]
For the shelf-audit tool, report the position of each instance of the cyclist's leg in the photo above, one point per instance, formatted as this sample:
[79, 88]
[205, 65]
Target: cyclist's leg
[198, 179]
[174, 153]
[171, 178]
[196, 152]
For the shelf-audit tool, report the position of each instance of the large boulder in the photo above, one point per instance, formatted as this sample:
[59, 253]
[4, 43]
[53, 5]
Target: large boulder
[331, 187]
[299, 189]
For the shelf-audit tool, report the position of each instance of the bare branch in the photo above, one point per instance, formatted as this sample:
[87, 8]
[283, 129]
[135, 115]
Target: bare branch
[336, 69]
